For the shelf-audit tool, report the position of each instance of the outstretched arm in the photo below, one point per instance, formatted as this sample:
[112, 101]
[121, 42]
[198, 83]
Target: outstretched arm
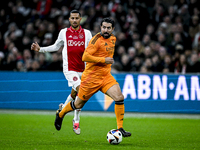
[35, 46]
[55, 47]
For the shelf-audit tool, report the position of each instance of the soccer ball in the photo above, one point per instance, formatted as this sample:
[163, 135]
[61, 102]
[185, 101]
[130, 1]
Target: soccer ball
[114, 136]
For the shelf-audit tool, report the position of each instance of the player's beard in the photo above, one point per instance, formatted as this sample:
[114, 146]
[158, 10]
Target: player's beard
[75, 26]
[106, 36]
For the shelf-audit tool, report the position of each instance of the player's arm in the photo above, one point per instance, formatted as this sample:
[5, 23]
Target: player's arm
[90, 50]
[35, 46]
[109, 60]
[55, 47]
[88, 57]
[88, 37]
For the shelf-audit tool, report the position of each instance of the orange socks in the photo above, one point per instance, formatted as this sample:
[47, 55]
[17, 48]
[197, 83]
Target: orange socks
[66, 109]
[119, 112]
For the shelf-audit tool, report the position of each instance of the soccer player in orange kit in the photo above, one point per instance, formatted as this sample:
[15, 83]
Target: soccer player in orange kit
[96, 76]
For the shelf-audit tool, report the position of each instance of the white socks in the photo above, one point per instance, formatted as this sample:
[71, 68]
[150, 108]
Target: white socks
[69, 99]
[77, 115]
[76, 112]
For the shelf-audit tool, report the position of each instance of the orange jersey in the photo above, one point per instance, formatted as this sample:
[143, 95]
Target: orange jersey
[98, 49]
[96, 75]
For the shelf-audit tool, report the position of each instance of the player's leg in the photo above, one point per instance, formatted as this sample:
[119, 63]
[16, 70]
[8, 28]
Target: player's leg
[112, 89]
[68, 108]
[72, 105]
[86, 90]
[77, 104]
[70, 97]
[115, 93]
[77, 112]
[76, 119]
[73, 81]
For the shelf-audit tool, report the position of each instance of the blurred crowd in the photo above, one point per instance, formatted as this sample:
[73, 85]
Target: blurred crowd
[152, 36]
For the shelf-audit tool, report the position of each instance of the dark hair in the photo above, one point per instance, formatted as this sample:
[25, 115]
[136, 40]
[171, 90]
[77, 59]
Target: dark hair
[74, 11]
[108, 20]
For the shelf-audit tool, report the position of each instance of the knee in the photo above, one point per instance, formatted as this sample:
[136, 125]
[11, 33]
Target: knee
[79, 106]
[73, 94]
[79, 103]
[119, 97]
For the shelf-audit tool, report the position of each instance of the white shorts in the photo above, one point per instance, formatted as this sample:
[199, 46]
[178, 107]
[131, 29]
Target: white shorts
[73, 78]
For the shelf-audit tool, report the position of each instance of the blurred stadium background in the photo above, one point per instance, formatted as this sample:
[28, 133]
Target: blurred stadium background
[157, 55]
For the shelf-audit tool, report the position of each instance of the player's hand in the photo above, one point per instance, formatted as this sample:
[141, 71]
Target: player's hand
[109, 60]
[35, 47]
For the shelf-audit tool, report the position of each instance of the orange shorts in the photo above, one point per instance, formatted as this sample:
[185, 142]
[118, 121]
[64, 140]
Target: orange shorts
[89, 86]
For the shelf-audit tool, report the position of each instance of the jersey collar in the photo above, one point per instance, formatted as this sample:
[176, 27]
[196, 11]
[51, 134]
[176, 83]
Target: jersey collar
[78, 31]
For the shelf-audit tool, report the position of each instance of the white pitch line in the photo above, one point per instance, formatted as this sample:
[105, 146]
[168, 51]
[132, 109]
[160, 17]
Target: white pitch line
[105, 114]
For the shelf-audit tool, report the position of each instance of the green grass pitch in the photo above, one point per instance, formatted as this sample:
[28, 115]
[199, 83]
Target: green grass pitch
[37, 132]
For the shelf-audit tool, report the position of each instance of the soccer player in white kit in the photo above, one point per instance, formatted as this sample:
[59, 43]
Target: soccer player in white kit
[74, 39]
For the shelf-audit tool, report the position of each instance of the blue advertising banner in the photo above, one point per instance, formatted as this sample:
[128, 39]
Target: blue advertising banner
[142, 92]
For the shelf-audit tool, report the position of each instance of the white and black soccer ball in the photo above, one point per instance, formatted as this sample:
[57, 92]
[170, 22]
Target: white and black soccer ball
[114, 136]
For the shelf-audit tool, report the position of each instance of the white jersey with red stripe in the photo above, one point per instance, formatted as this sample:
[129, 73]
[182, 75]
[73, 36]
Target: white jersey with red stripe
[74, 42]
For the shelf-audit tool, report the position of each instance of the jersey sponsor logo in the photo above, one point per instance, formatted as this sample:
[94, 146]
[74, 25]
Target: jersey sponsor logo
[75, 43]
